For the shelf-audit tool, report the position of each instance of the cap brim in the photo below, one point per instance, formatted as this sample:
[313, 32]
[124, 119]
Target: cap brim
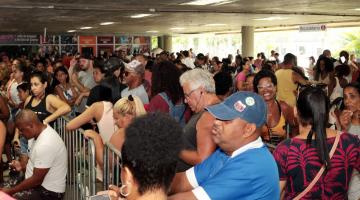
[222, 112]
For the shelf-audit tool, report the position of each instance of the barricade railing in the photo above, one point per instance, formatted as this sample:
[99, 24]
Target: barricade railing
[112, 169]
[81, 176]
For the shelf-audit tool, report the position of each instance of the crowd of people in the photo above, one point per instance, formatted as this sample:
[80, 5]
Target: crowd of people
[187, 126]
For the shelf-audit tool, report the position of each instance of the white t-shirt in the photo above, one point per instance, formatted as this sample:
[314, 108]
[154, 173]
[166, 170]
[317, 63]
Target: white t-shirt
[49, 151]
[189, 62]
[138, 91]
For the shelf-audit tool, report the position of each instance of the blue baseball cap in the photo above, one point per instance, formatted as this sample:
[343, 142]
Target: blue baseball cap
[247, 106]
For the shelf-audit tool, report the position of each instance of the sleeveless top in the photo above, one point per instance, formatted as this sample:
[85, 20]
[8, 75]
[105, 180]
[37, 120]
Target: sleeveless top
[68, 94]
[277, 133]
[286, 86]
[106, 127]
[176, 111]
[39, 109]
[106, 124]
[337, 92]
[13, 93]
[189, 140]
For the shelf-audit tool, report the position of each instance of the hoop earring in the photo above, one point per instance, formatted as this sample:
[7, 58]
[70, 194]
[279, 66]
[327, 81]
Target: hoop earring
[122, 188]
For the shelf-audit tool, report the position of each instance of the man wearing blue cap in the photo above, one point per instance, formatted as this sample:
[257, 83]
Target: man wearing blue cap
[242, 167]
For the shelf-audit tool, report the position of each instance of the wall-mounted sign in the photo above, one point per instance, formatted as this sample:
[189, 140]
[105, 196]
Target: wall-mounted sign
[312, 28]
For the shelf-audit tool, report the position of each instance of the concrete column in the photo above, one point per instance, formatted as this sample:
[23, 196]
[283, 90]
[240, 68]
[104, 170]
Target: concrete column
[247, 38]
[167, 43]
[160, 42]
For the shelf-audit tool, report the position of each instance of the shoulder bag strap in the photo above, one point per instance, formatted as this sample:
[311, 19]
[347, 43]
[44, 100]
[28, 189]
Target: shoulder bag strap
[321, 171]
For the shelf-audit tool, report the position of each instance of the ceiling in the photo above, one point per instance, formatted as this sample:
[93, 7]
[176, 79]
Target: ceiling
[59, 16]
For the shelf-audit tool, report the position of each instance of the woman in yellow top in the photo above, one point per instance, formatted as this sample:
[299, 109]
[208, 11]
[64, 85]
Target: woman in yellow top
[279, 113]
[289, 79]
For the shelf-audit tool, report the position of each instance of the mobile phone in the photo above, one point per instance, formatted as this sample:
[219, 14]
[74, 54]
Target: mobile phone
[100, 197]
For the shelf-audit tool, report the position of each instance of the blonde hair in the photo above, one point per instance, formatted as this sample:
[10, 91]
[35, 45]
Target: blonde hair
[130, 105]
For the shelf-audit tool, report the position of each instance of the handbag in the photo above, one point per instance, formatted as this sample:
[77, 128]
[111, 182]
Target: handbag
[321, 171]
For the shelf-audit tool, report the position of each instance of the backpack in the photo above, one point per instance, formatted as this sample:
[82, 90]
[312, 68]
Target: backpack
[175, 111]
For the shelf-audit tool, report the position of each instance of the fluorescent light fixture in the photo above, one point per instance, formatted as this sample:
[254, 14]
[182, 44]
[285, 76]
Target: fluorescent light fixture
[177, 28]
[106, 23]
[215, 25]
[86, 27]
[207, 2]
[152, 31]
[357, 9]
[140, 15]
[271, 18]
[223, 3]
[71, 31]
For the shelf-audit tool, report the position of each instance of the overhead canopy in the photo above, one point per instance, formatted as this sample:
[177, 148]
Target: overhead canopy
[168, 16]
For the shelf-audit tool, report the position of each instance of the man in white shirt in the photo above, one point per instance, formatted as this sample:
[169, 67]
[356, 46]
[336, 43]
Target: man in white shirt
[134, 75]
[46, 169]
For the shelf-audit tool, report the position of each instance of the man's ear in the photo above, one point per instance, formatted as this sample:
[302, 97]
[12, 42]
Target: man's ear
[127, 175]
[249, 129]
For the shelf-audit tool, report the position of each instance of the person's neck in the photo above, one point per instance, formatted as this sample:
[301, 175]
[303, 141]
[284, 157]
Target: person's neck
[18, 80]
[304, 130]
[287, 66]
[40, 96]
[136, 83]
[153, 195]
[271, 103]
[241, 144]
[41, 128]
[64, 84]
[210, 99]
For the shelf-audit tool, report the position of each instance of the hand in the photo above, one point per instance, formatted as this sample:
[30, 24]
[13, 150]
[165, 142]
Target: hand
[15, 164]
[345, 119]
[45, 122]
[91, 134]
[113, 192]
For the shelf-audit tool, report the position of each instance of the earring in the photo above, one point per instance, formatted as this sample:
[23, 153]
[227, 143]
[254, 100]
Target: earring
[122, 190]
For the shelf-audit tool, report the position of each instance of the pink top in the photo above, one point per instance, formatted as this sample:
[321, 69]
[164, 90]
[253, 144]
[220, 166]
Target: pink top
[241, 76]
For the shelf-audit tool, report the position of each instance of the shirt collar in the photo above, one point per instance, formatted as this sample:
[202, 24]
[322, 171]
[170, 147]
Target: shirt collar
[252, 145]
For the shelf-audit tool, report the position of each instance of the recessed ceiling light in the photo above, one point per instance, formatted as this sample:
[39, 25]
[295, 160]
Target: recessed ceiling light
[215, 24]
[207, 2]
[177, 28]
[106, 23]
[152, 31]
[271, 18]
[140, 15]
[71, 31]
[86, 27]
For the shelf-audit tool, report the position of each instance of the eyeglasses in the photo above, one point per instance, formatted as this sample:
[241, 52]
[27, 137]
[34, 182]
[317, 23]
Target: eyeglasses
[265, 86]
[187, 95]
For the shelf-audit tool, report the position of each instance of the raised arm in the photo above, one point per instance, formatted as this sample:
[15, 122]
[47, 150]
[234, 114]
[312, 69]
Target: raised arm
[86, 116]
[56, 107]
[205, 144]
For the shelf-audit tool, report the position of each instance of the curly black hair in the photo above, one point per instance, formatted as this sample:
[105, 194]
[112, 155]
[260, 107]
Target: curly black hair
[165, 78]
[150, 150]
[264, 73]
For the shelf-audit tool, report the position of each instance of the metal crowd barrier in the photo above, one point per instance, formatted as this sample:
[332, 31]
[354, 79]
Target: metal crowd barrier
[81, 176]
[111, 170]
